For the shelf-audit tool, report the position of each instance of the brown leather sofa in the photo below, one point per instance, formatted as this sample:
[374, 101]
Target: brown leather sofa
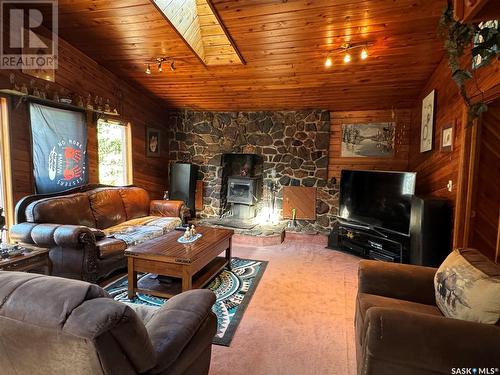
[87, 229]
[401, 331]
[51, 325]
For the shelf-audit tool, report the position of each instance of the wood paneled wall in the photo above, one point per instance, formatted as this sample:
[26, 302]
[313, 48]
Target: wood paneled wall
[486, 220]
[435, 168]
[399, 162]
[79, 74]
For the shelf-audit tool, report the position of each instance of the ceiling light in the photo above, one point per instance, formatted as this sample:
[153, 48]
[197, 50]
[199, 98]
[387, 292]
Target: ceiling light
[364, 54]
[347, 58]
[160, 69]
[148, 69]
[328, 62]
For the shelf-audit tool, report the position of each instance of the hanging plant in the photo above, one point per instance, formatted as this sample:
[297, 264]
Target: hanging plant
[458, 38]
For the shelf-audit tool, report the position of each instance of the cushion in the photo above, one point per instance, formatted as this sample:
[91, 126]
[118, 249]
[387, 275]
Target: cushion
[107, 207]
[467, 286]
[135, 201]
[71, 209]
[108, 247]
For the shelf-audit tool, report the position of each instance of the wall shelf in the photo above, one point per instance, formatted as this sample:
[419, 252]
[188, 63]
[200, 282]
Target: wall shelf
[72, 107]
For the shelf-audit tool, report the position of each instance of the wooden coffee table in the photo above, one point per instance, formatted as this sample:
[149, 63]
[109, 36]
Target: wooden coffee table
[195, 264]
[32, 259]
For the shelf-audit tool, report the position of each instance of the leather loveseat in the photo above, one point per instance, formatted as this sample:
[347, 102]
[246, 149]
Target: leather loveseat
[87, 229]
[401, 331]
[51, 325]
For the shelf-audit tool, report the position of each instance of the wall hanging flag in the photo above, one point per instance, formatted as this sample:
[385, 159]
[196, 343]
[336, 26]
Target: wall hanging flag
[59, 148]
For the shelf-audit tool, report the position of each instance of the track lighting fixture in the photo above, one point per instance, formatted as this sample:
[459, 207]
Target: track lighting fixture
[158, 61]
[345, 49]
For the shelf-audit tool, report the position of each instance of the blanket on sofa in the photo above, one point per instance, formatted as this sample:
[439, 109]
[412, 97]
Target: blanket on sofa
[136, 231]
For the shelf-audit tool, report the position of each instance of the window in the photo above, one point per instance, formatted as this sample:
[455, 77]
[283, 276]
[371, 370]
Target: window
[113, 140]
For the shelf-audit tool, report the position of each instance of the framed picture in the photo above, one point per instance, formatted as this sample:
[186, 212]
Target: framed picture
[447, 138]
[427, 126]
[153, 142]
[368, 140]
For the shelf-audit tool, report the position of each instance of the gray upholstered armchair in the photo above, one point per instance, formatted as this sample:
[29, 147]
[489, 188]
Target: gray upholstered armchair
[51, 325]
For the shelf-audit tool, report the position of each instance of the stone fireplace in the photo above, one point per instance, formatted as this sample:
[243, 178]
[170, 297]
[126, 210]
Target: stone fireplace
[285, 148]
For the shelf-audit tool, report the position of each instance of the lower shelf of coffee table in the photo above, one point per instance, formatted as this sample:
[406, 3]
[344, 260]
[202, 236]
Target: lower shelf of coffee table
[170, 286]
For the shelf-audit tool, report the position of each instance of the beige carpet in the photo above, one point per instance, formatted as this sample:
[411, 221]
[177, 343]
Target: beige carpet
[300, 319]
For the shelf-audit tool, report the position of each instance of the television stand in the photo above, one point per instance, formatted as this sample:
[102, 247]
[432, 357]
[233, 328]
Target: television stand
[372, 244]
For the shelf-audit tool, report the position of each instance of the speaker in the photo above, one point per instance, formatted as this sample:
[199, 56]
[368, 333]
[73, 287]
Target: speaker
[183, 184]
[430, 231]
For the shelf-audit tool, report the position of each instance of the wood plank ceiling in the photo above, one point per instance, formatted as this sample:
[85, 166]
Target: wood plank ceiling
[284, 44]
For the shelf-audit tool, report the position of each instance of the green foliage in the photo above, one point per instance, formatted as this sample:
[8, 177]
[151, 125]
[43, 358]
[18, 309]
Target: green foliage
[111, 154]
[458, 38]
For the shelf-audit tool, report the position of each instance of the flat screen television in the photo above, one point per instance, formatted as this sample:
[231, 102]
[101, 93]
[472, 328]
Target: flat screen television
[380, 200]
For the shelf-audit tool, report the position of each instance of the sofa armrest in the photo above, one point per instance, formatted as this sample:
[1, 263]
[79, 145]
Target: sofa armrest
[49, 235]
[430, 342]
[166, 208]
[177, 323]
[401, 281]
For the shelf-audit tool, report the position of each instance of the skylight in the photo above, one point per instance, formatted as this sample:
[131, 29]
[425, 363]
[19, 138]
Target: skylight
[200, 27]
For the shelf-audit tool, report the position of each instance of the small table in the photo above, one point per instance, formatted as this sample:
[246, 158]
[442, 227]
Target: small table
[33, 258]
[194, 263]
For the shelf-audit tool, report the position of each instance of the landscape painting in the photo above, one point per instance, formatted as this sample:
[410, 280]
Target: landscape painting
[368, 140]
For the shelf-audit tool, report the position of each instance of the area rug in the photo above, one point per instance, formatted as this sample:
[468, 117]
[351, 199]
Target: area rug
[233, 289]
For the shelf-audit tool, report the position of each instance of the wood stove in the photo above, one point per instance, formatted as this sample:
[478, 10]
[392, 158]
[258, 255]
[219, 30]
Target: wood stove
[243, 193]
[243, 190]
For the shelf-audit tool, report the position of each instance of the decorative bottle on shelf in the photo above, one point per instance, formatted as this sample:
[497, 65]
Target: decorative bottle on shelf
[88, 102]
[107, 106]
[24, 89]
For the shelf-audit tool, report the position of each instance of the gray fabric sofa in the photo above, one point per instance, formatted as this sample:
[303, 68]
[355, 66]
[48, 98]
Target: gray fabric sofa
[51, 325]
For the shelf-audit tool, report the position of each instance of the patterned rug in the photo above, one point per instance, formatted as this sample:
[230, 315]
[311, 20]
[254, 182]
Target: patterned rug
[234, 290]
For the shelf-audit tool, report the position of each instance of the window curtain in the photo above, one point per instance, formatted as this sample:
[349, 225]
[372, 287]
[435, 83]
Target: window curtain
[59, 141]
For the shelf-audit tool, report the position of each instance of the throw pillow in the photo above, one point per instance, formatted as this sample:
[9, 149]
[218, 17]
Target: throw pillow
[467, 286]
